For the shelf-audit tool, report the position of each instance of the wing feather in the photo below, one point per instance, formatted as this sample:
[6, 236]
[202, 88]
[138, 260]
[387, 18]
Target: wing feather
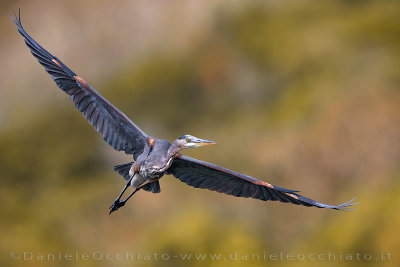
[206, 175]
[113, 125]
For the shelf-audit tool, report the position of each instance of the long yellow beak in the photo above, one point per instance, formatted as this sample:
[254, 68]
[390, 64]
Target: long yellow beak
[208, 143]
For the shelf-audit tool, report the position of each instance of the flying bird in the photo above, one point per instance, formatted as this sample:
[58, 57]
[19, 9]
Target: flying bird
[153, 158]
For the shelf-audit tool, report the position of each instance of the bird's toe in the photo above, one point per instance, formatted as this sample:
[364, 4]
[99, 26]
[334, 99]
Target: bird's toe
[116, 205]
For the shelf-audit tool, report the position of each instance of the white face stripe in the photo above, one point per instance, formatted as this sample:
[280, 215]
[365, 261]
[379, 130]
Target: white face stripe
[188, 145]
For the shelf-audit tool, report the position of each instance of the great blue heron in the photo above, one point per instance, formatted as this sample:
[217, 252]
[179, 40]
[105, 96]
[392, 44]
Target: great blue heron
[153, 158]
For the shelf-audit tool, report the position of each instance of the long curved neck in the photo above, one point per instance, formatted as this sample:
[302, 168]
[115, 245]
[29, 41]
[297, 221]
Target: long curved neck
[174, 149]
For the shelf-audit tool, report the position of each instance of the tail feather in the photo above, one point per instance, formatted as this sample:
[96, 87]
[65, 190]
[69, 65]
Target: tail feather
[123, 170]
[153, 187]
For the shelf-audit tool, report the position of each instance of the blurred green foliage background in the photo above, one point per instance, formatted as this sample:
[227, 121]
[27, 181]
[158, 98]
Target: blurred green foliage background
[302, 94]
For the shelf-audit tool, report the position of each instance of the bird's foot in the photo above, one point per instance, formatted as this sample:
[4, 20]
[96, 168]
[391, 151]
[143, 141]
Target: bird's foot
[116, 205]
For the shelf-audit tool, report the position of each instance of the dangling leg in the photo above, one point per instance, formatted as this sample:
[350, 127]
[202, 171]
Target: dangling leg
[117, 204]
[134, 191]
[136, 181]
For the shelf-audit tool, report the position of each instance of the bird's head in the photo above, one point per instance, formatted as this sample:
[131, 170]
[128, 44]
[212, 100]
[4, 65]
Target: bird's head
[189, 141]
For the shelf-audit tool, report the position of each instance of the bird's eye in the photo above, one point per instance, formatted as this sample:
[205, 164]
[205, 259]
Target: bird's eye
[188, 140]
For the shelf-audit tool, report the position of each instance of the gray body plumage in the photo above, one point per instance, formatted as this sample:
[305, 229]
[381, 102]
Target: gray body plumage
[152, 163]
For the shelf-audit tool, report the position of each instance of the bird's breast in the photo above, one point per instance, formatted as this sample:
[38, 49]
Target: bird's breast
[151, 171]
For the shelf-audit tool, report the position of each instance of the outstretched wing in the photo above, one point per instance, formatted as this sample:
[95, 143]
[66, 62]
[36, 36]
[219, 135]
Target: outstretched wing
[200, 174]
[113, 125]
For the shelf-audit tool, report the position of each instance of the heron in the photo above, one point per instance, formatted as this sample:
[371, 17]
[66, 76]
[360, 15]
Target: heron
[153, 158]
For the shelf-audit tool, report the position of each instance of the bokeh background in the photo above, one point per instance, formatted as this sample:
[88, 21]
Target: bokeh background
[303, 94]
